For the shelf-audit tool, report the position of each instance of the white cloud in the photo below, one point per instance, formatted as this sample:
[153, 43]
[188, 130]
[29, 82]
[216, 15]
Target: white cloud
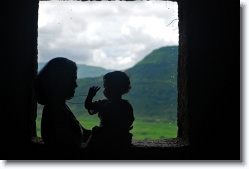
[125, 30]
[99, 56]
[113, 35]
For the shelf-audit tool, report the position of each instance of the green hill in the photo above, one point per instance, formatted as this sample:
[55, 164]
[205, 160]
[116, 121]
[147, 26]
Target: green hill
[153, 81]
[90, 71]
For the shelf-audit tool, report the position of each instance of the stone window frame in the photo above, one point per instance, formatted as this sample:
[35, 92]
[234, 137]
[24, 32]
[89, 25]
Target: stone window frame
[182, 138]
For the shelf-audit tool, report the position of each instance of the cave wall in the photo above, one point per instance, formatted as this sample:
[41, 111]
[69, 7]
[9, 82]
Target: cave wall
[209, 78]
[18, 59]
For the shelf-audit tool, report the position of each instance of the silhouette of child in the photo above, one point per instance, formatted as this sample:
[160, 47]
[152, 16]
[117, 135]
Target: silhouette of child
[115, 113]
[60, 130]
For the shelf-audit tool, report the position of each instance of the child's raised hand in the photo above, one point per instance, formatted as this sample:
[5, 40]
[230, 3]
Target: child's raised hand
[93, 90]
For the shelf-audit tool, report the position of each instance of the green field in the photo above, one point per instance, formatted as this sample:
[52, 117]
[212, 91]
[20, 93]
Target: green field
[143, 128]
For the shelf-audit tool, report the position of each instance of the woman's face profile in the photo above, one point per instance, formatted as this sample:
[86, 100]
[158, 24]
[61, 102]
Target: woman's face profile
[72, 85]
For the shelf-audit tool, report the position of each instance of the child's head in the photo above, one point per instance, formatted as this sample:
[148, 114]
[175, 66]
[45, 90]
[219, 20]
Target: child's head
[116, 84]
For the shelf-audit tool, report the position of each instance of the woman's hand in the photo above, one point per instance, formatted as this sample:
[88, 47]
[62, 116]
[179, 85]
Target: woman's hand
[93, 90]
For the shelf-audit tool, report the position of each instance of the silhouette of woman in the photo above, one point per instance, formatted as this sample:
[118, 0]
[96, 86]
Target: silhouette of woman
[60, 130]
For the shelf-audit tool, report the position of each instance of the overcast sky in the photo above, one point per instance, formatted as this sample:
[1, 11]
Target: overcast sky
[112, 35]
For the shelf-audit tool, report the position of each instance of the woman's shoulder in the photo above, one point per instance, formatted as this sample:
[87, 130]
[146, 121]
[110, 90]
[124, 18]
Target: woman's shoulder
[56, 109]
[54, 106]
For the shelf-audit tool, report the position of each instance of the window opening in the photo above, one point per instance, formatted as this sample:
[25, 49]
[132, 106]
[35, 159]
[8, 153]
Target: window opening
[140, 37]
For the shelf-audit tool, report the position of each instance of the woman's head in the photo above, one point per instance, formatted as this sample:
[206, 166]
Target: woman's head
[116, 84]
[56, 81]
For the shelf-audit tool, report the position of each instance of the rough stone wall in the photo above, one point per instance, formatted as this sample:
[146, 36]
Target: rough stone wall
[210, 83]
[18, 58]
[182, 111]
[208, 77]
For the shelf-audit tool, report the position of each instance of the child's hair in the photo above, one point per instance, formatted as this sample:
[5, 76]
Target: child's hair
[52, 79]
[117, 82]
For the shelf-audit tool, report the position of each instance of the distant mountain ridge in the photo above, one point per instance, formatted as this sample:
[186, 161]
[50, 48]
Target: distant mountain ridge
[84, 70]
[153, 81]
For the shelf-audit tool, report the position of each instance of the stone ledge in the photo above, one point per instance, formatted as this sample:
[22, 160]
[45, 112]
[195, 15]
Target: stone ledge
[160, 143]
[161, 149]
[37, 140]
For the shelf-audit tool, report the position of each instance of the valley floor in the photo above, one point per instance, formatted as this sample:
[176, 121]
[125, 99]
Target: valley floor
[144, 128]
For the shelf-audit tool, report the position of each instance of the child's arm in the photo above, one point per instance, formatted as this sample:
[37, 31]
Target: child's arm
[91, 93]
